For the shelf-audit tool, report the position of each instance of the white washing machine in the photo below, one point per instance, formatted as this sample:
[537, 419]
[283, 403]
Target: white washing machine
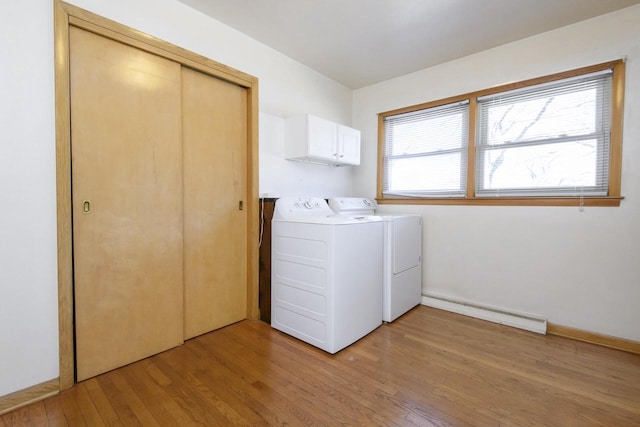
[402, 268]
[326, 273]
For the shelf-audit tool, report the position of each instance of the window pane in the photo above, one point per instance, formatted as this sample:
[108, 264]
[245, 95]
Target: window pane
[568, 164]
[560, 115]
[545, 140]
[429, 173]
[425, 151]
[428, 135]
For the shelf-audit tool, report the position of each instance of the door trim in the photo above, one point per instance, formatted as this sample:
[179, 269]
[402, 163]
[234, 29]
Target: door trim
[66, 15]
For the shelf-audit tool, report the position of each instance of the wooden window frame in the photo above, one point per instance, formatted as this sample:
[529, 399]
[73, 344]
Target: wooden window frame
[613, 198]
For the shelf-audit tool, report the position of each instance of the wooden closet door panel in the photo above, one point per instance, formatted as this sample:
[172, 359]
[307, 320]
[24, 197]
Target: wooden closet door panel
[127, 171]
[215, 182]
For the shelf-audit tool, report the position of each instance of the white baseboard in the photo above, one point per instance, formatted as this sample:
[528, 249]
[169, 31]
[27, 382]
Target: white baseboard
[492, 314]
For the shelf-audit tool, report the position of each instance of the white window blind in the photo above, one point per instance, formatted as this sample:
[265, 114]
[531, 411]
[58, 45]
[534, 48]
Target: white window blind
[425, 152]
[545, 140]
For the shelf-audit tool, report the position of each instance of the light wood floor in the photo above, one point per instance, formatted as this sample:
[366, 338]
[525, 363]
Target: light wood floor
[428, 368]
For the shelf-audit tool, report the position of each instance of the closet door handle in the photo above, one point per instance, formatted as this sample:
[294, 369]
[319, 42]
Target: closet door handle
[86, 206]
[240, 205]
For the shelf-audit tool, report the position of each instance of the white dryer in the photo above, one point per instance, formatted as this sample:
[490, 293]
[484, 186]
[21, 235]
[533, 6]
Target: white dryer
[402, 266]
[326, 273]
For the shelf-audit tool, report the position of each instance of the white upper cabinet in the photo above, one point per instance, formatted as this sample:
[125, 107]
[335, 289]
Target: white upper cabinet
[315, 140]
[321, 138]
[348, 145]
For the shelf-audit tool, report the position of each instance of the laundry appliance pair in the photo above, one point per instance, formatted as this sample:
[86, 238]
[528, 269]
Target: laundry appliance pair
[339, 270]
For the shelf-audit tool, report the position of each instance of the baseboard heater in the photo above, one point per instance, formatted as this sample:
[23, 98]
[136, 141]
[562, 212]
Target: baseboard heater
[492, 314]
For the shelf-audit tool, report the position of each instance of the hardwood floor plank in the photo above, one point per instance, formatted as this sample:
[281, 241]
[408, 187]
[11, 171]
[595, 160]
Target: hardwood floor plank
[218, 376]
[101, 402]
[205, 376]
[273, 378]
[117, 401]
[427, 368]
[346, 362]
[572, 383]
[37, 414]
[19, 417]
[88, 410]
[318, 373]
[214, 384]
[262, 399]
[70, 404]
[149, 394]
[55, 414]
[142, 410]
[434, 385]
[315, 387]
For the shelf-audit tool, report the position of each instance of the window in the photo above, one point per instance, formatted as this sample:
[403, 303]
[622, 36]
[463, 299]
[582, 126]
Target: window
[550, 139]
[428, 155]
[555, 140]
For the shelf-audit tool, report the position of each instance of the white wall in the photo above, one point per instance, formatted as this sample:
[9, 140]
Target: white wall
[579, 269]
[28, 270]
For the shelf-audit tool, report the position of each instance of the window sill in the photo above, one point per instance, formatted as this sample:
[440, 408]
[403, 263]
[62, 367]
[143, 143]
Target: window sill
[506, 201]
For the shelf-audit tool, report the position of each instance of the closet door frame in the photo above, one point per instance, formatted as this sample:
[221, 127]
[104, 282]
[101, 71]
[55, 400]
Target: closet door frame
[66, 16]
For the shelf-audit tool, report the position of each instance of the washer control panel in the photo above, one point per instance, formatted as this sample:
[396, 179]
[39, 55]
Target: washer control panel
[288, 207]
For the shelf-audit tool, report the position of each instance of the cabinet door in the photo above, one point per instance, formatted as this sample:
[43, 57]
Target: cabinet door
[322, 138]
[348, 145]
[214, 131]
[127, 203]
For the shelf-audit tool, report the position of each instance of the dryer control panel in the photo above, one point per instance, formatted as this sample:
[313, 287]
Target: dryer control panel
[352, 205]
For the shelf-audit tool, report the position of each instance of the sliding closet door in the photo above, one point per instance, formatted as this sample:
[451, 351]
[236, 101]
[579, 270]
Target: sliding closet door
[127, 203]
[215, 196]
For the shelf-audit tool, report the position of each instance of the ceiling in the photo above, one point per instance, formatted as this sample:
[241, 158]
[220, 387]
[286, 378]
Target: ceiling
[363, 42]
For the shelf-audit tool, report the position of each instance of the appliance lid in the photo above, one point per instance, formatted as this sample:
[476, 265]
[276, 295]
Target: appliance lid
[331, 219]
